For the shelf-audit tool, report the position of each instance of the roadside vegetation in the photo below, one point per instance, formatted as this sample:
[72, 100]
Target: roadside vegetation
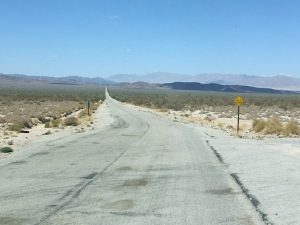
[25, 105]
[270, 113]
[6, 150]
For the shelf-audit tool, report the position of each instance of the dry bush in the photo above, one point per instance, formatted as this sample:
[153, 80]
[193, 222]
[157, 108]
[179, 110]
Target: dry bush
[291, 128]
[83, 113]
[48, 125]
[2, 120]
[71, 121]
[258, 125]
[273, 126]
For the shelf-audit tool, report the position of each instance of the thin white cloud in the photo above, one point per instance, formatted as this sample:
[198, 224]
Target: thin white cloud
[114, 17]
[53, 56]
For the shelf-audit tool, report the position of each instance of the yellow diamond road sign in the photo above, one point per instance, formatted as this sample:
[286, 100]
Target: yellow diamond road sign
[239, 100]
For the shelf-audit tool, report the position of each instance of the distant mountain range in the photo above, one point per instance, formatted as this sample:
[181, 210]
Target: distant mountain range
[222, 88]
[277, 82]
[69, 80]
[205, 82]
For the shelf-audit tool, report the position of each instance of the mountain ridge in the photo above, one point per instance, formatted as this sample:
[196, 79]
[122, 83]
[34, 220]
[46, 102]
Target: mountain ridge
[277, 81]
[222, 88]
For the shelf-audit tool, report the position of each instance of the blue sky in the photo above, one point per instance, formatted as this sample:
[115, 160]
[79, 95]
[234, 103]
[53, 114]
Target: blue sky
[105, 37]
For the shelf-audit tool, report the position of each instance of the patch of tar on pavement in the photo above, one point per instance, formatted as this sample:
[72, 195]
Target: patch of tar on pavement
[224, 191]
[239, 220]
[18, 162]
[7, 220]
[120, 205]
[125, 168]
[39, 153]
[90, 176]
[130, 135]
[136, 214]
[135, 182]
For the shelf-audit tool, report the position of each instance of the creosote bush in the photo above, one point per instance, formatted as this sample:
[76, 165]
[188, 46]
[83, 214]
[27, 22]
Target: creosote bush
[16, 127]
[71, 121]
[292, 128]
[6, 150]
[274, 126]
[56, 123]
[258, 125]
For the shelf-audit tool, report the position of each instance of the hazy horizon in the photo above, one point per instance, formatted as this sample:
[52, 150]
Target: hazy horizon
[148, 73]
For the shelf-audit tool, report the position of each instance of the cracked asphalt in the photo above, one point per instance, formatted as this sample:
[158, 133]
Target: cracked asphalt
[141, 169]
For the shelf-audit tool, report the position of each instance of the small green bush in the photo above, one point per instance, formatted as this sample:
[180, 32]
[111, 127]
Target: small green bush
[55, 123]
[6, 150]
[16, 127]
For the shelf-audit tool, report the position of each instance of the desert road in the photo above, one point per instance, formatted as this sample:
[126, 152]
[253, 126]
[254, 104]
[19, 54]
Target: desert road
[141, 169]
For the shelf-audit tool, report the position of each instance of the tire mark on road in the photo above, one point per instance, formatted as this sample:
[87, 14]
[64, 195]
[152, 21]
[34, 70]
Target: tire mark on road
[72, 194]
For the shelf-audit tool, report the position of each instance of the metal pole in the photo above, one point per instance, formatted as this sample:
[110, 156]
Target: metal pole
[89, 107]
[238, 120]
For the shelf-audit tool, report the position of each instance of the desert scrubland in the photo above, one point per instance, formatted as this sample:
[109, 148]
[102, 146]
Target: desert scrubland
[31, 110]
[261, 115]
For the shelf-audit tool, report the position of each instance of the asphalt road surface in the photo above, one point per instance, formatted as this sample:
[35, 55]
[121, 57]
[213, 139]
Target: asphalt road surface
[140, 170]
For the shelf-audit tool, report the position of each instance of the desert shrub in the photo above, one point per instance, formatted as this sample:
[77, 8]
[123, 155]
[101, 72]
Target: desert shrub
[291, 128]
[258, 125]
[47, 125]
[71, 121]
[6, 150]
[83, 113]
[2, 120]
[43, 119]
[55, 123]
[273, 126]
[27, 124]
[16, 127]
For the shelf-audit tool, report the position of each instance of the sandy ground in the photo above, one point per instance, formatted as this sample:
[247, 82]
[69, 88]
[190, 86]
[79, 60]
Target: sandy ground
[38, 133]
[213, 120]
[208, 119]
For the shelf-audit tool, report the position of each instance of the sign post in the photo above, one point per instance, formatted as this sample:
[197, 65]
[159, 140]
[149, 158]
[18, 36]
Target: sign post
[89, 107]
[239, 100]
